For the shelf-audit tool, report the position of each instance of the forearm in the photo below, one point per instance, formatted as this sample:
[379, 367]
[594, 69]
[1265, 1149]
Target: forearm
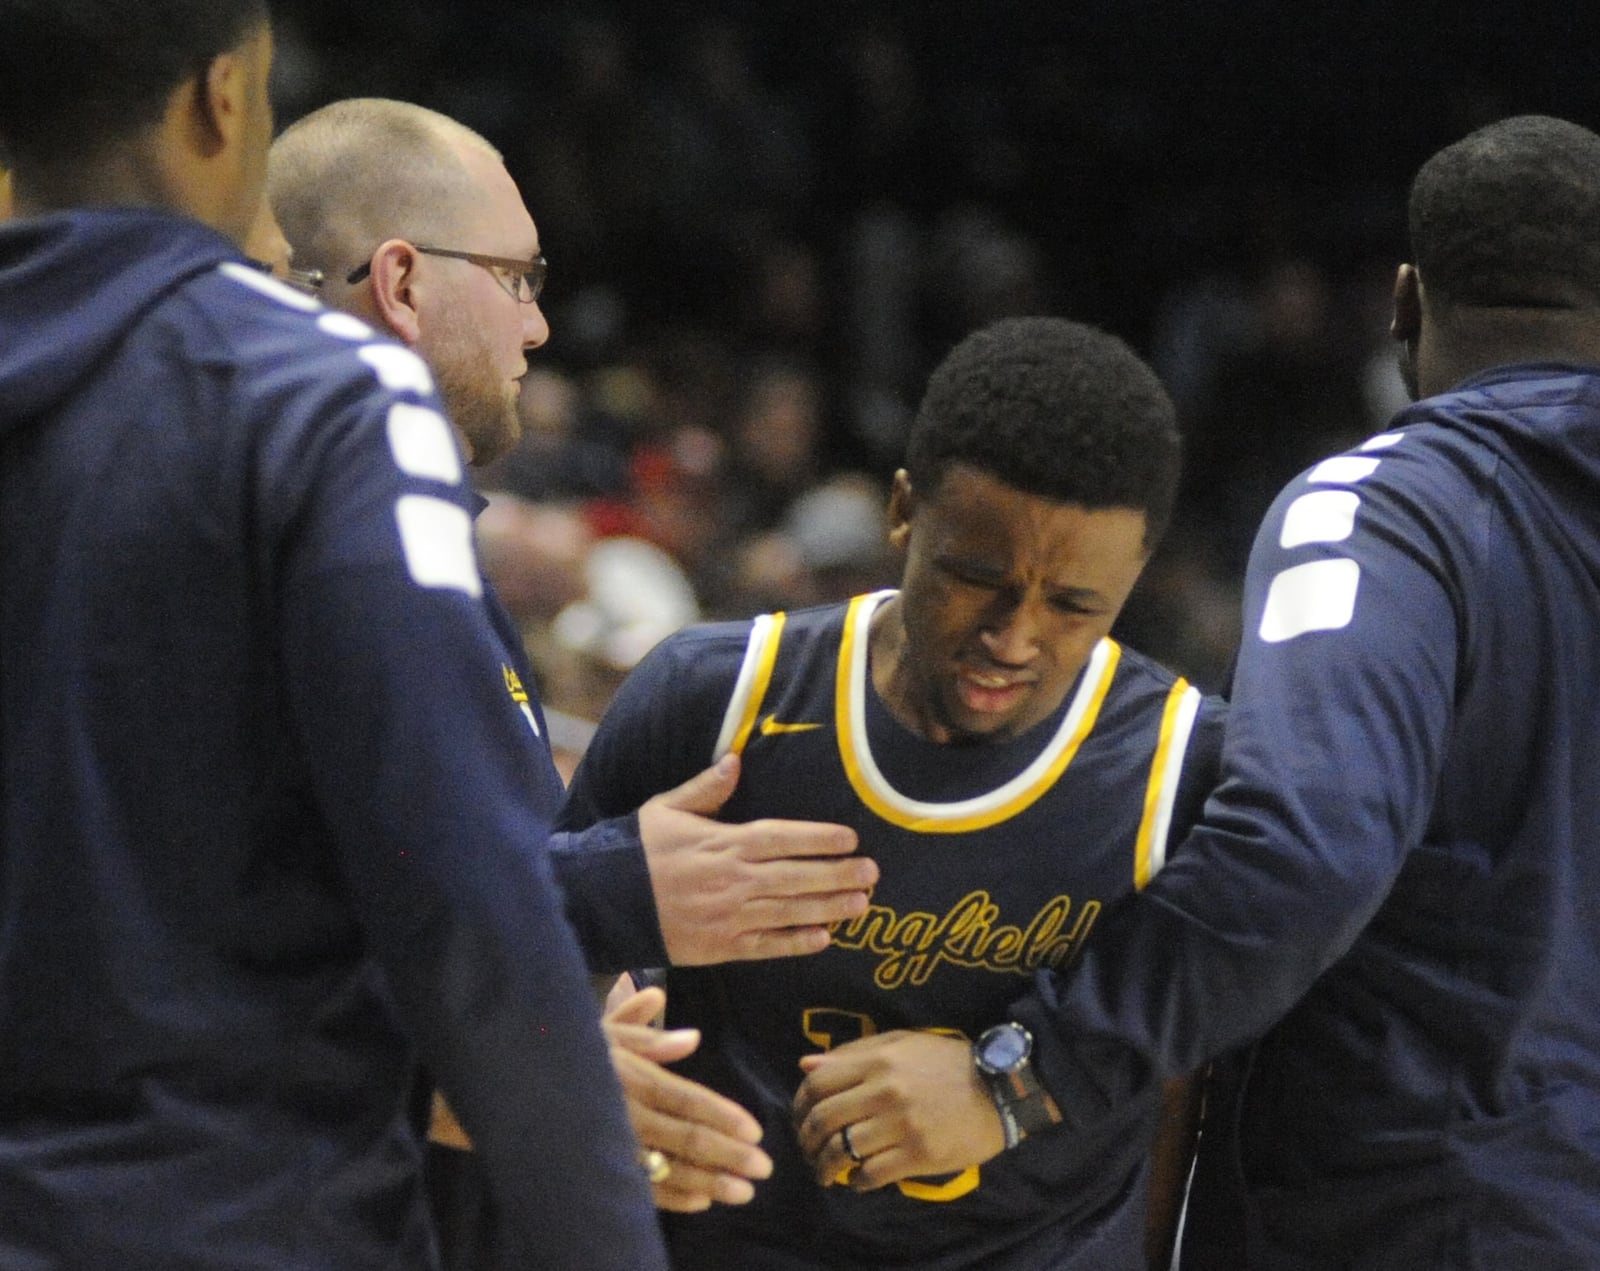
[446, 862]
[1171, 1154]
[606, 881]
[1334, 744]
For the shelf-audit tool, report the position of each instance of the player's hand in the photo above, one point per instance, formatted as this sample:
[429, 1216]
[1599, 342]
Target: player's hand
[764, 889]
[914, 1104]
[709, 1142]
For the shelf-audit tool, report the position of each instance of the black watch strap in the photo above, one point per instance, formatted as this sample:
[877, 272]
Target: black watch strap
[1024, 1101]
[1002, 1055]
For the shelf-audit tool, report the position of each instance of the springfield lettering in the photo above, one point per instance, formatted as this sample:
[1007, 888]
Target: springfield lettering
[969, 934]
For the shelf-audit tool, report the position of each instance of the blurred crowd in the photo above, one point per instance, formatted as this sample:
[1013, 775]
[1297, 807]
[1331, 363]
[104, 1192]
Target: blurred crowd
[766, 224]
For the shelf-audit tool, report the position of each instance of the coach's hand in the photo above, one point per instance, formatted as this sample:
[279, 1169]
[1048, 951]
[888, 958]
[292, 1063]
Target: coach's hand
[763, 889]
[709, 1141]
[913, 1104]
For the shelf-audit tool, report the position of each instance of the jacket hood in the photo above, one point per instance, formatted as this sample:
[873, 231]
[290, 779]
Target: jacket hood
[1543, 419]
[73, 284]
[1543, 411]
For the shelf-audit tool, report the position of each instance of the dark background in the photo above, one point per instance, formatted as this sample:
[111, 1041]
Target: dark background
[847, 189]
[1139, 140]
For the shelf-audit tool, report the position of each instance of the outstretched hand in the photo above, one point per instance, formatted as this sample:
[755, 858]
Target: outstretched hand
[912, 1101]
[763, 889]
[709, 1141]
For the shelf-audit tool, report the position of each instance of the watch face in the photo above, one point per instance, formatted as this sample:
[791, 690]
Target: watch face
[1004, 1047]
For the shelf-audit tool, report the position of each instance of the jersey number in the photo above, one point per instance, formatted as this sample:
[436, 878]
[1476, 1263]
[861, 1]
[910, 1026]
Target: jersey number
[827, 1028]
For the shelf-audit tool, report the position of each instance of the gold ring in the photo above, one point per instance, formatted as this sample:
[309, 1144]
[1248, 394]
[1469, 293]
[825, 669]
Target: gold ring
[655, 1164]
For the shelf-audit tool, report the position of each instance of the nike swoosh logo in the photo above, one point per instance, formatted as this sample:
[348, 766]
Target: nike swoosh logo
[770, 727]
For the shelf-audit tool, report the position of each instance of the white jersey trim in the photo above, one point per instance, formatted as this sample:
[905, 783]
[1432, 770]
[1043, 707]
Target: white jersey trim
[754, 674]
[965, 814]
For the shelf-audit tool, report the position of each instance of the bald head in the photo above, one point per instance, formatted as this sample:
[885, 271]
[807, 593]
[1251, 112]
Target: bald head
[426, 211]
[349, 176]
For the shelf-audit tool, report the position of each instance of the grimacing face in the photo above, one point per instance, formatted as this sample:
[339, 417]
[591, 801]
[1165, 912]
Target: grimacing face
[1003, 597]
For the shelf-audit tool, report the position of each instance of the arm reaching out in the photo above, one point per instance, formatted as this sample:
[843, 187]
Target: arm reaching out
[1171, 1154]
[709, 1142]
[765, 889]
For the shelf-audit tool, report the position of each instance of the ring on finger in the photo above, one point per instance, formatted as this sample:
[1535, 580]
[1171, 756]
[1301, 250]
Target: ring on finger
[655, 1164]
[849, 1147]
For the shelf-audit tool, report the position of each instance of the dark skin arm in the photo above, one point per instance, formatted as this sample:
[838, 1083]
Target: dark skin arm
[1171, 1152]
[916, 1107]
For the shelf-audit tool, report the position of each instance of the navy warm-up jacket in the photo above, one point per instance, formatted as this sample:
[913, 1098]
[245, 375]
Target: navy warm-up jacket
[274, 793]
[1399, 874]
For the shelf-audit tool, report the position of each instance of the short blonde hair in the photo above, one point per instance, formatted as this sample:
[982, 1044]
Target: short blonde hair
[346, 177]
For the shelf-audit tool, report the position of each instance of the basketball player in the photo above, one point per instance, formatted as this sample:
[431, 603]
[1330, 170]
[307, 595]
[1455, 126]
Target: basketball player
[1010, 768]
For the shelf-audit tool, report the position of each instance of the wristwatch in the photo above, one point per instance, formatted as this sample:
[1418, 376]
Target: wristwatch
[1001, 1056]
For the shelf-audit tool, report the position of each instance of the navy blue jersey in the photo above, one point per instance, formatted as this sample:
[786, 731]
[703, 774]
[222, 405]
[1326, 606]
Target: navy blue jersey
[995, 862]
[273, 792]
[1406, 843]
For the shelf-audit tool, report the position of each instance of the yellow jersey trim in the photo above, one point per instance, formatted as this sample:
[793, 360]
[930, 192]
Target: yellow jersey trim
[1166, 770]
[755, 676]
[984, 810]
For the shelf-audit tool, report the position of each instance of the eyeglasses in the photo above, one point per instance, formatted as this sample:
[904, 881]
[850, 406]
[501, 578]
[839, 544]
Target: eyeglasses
[307, 280]
[524, 279]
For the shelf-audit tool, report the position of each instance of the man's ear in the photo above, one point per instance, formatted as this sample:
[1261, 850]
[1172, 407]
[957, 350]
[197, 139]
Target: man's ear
[393, 281]
[901, 502]
[220, 103]
[1406, 325]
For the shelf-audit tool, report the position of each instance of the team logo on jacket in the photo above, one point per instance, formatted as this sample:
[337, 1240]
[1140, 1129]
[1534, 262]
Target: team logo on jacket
[519, 695]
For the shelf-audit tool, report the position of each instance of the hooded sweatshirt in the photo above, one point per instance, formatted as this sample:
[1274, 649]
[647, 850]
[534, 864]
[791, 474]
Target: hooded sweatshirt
[1399, 875]
[273, 793]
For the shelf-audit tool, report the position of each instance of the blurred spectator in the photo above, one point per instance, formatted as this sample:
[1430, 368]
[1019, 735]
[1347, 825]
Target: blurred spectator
[534, 553]
[572, 448]
[773, 444]
[1284, 391]
[832, 544]
[634, 595]
[631, 594]
[856, 194]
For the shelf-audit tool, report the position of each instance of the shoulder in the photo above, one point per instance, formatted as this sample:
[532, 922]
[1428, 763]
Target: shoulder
[1136, 670]
[1415, 501]
[713, 648]
[287, 341]
[1434, 466]
[827, 619]
[698, 664]
[714, 673]
[1188, 718]
[1417, 495]
[701, 649]
[316, 385]
[1143, 679]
